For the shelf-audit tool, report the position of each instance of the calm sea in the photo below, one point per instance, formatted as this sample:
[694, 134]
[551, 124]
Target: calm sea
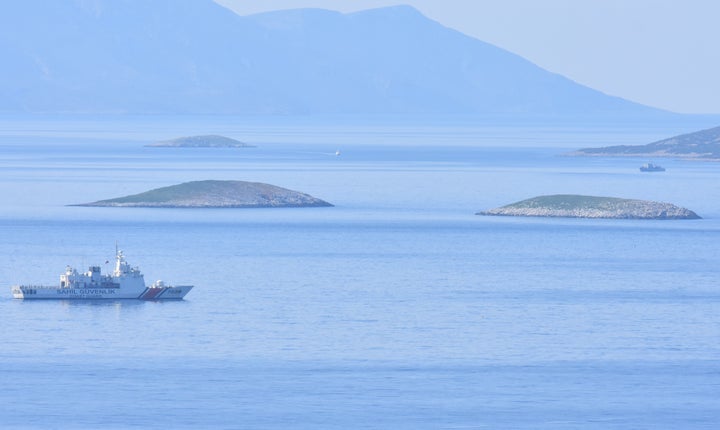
[396, 309]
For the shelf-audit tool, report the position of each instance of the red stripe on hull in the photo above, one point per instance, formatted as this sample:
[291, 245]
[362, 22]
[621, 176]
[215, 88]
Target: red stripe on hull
[152, 293]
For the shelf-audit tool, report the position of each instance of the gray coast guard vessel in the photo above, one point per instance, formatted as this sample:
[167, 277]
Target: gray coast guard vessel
[124, 283]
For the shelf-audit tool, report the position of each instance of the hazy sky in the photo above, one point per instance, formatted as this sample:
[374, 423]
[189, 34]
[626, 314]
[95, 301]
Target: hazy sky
[662, 53]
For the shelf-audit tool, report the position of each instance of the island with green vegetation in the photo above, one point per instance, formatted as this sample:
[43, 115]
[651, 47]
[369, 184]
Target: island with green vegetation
[701, 145]
[205, 141]
[578, 206]
[215, 194]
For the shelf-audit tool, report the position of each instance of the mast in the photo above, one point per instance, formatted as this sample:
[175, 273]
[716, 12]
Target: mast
[120, 265]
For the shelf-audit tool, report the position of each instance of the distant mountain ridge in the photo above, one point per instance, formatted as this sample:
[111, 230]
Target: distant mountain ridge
[197, 57]
[203, 141]
[703, 144]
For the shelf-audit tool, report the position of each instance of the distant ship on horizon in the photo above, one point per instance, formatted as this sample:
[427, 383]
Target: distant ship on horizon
[650, 167]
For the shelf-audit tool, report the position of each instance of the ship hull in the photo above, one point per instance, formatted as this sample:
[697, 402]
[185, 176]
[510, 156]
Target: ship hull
[59, 293]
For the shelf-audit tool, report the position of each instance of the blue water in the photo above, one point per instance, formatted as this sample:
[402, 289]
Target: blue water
[398, 308]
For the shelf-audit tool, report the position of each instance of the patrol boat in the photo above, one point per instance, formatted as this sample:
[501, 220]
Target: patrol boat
[650, 167]
[124, 283]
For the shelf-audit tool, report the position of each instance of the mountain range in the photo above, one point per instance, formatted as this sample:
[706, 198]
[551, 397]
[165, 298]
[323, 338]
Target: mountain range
[701, 145]
[197, 57]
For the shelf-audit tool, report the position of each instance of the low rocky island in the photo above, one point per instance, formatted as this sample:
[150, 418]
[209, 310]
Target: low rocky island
[577, 206]
[215, 194]
[206, 141]
[701, 145]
